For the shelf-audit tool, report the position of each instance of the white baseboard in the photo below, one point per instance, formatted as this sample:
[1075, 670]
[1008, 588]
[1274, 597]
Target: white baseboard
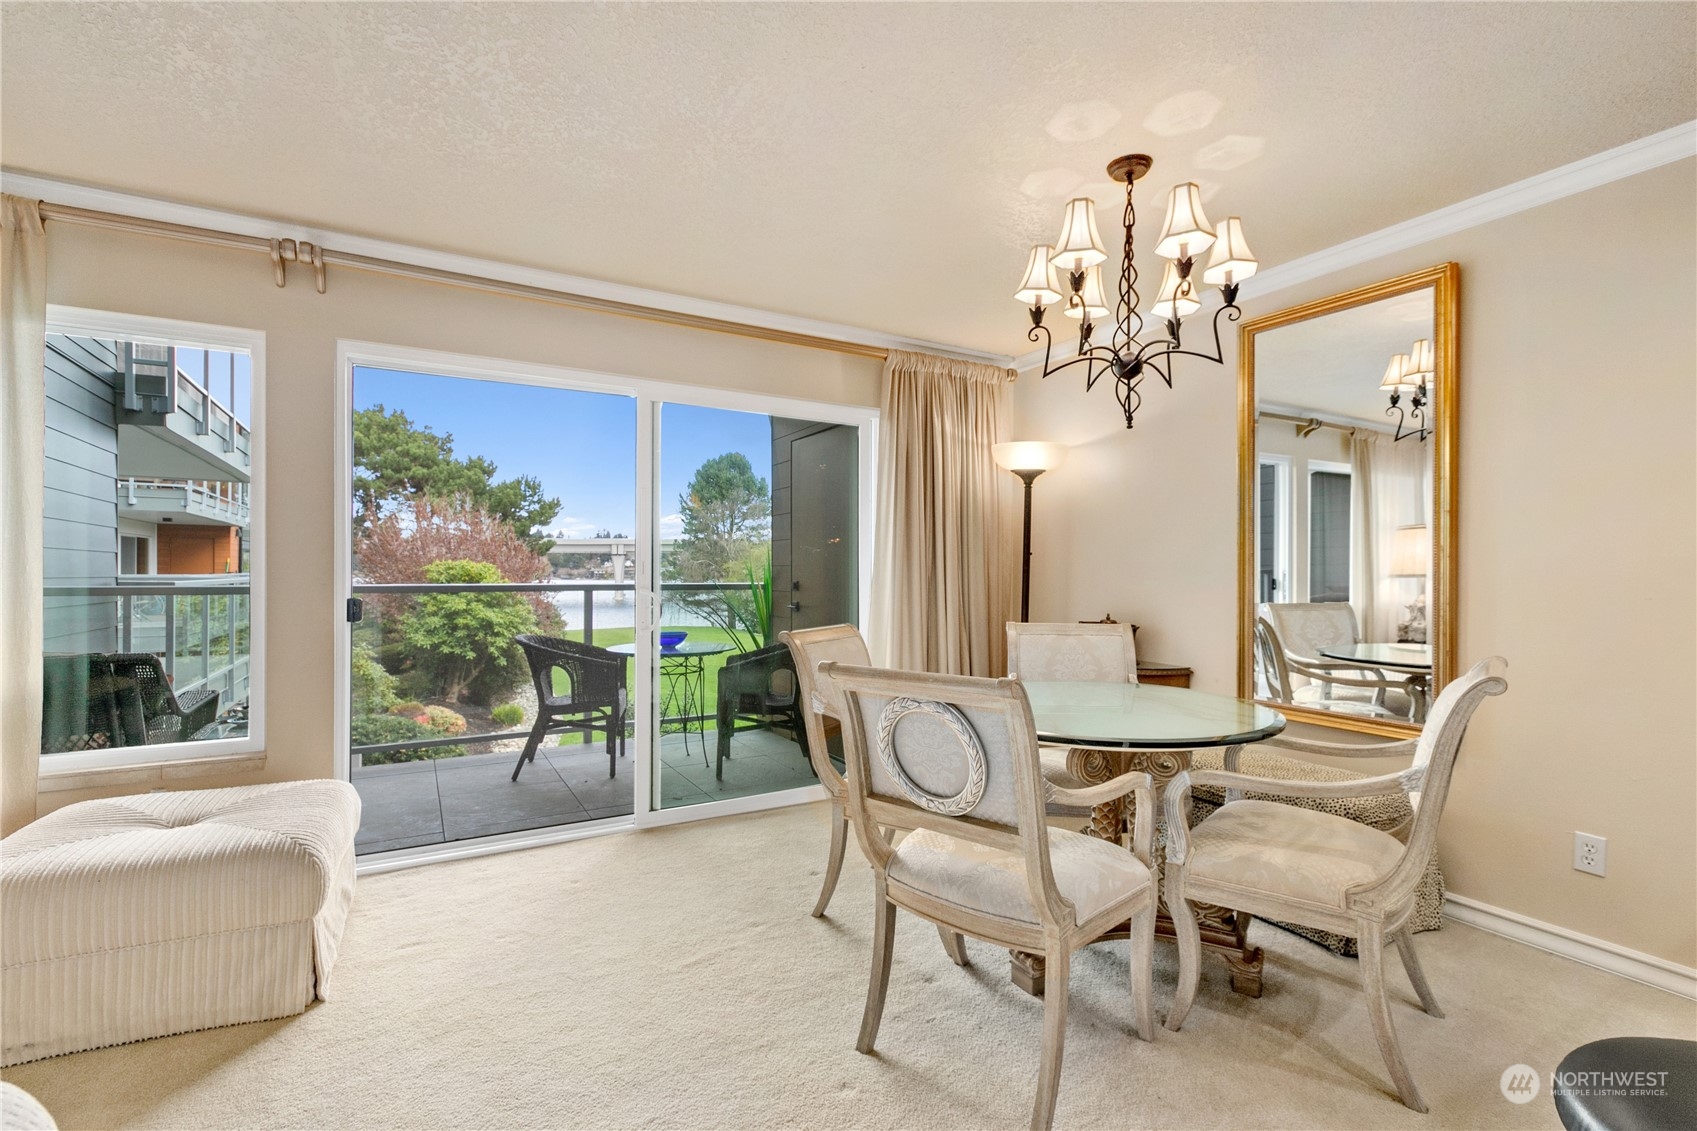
[1615, 959]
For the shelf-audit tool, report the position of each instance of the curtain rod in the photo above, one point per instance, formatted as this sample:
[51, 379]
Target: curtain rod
[113, 221]
[1310, 420]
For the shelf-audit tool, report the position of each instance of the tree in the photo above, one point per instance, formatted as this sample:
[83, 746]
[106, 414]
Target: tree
[397, 462]
[726, 537]
[726, 510]
[458, 636]
[400, 547]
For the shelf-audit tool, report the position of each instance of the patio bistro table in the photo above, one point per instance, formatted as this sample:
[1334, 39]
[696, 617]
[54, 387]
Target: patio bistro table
[683, 696]
[1113, 728]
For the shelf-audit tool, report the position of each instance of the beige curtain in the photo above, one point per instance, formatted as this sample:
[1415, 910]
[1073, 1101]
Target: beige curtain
[23, 304]
[1391, 488]
[941, 596]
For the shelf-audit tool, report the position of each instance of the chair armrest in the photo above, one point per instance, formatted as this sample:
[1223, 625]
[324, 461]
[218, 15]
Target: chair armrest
[1178, 795]
[1396, 749]
[1138, 783]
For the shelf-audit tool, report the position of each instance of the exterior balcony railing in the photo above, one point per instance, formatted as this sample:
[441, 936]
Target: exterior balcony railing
[198, 625]
[596, 613]
[219, 501]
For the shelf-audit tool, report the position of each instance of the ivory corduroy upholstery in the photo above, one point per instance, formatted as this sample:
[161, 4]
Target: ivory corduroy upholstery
[135, 917]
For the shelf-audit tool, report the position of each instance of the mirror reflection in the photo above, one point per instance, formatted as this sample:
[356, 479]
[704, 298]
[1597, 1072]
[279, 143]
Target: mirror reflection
[1343, 489]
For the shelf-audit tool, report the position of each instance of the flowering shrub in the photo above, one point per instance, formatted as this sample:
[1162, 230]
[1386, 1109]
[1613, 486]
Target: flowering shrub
[443, 721]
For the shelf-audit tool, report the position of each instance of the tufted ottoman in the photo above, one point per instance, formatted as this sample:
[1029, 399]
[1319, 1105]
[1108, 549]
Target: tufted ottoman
[136, 917]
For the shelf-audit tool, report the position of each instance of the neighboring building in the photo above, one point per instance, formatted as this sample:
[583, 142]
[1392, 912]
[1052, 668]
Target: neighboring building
[147, 475]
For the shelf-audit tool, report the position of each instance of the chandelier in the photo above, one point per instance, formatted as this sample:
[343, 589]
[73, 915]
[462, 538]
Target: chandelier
[1078, 257]
[1409, 373]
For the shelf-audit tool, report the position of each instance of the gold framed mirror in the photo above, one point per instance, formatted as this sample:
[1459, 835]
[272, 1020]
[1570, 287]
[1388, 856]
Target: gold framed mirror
[1347, 446]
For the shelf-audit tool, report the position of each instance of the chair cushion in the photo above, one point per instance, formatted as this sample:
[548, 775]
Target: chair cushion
[1093, 874]
[1265, 846]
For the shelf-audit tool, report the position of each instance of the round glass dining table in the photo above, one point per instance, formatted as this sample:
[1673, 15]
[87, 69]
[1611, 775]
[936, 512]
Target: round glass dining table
[1113, 728]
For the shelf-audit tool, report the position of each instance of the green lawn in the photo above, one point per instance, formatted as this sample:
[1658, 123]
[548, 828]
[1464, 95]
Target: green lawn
[607, 637]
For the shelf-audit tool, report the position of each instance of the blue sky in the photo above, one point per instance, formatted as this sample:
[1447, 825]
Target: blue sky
[195, 362]
[582, 446]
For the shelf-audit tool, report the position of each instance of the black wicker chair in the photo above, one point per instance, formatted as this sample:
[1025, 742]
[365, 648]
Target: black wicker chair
[148, 710]
[759, 688]
[595, 697]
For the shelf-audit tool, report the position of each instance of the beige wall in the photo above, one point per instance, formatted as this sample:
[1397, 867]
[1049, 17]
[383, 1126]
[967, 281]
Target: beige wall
[1578, 544]
[168, 279]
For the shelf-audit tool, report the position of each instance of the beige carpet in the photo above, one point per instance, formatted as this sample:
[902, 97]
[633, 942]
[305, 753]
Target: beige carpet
[674, 979]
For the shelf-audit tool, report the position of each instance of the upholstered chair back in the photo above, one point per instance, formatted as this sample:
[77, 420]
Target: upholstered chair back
[810, 647]
[1304, 628]
[1427, 780]
[954, 754]
[1071, 652]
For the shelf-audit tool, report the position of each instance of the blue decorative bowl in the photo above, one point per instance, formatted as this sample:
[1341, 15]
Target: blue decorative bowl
[671, 639]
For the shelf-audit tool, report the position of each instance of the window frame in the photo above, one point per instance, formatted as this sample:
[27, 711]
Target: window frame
[76, 765]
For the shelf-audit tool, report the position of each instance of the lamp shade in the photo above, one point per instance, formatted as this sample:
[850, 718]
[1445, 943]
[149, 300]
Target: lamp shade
[1411, 551]
[1177, 298]
[1187, 233]
[1419, 363]
[1091, 300]
[1396, 373]
[1079, 246]
[1036, 287]
[1028, 455]
[1231, 262]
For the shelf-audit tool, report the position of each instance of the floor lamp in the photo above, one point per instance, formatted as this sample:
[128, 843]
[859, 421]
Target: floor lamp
[1027, 459]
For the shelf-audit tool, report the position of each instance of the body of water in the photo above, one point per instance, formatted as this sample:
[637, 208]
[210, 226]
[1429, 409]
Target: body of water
[617, 609]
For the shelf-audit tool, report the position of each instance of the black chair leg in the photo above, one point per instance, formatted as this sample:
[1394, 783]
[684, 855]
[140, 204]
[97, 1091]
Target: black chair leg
[537, 733]
[612, 757]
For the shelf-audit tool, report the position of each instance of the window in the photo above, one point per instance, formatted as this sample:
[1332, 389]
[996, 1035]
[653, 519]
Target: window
[1272, 524]
[1328, 535]
[150, 533]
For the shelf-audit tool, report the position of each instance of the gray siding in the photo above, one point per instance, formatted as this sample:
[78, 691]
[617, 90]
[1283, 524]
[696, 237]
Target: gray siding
[80, 517]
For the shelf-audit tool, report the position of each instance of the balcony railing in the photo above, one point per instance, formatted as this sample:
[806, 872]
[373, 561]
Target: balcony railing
[198, 625]
[584, 628]
[222, 501]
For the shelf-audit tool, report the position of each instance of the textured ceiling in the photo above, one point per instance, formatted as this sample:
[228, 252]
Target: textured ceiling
[878, 165]
[1333, 364]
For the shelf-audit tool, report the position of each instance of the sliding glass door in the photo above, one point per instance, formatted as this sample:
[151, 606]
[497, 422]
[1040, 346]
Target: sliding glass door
[564, 600]
[759, 532]
[492, 534]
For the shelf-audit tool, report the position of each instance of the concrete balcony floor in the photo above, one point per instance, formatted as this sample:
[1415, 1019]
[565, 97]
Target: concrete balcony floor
[408, 804]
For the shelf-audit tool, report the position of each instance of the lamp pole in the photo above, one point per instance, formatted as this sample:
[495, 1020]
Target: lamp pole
[1027, 476]
[1027, 459]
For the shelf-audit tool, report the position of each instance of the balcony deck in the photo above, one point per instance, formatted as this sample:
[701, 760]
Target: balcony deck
[408, 804]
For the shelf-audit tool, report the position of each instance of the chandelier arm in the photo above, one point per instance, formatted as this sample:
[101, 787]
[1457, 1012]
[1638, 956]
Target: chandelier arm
[1415, 414]
[1162, 348]
[1090, 357]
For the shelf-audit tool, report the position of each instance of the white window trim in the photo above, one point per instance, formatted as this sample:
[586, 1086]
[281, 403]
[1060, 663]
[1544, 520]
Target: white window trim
[1284, 564]
[171, 331]
[649, 395]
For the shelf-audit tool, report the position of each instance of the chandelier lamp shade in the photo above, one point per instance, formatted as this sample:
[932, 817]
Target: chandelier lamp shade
[1411, 374]
[1070, 272]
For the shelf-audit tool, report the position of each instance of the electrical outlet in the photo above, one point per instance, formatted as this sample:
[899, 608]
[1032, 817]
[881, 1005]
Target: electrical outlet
[1590, 853]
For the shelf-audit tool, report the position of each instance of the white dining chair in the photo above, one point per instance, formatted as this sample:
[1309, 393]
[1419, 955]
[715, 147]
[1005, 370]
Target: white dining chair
[1290, 864]
[1066, 652]
[955, 759]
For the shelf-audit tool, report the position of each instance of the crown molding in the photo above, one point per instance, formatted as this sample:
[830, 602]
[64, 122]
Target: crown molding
[1676, 144]
[76, 195]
